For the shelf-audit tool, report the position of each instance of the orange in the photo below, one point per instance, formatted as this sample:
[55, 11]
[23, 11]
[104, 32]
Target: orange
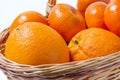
[83, 4]
[28, 16]
[93, 42]
[94, 15]
[112, 16]
[66, 20]
[34, 43]
[107, 1]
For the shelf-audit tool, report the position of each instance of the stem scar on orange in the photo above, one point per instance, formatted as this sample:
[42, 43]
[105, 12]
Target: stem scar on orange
[28, 16]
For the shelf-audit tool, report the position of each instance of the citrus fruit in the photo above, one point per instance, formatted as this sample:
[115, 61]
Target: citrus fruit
[28, 16]
[93, 42]
[83, 4]
[112, 16]
[34, 43]
[94, 15]
[66, 20]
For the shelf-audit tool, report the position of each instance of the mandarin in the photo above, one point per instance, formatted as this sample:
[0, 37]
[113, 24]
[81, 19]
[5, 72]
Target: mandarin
[94, 15]
[83, 4]
[66, 20]
[93, 42]
[28, 16]
[34, 43]
[112, 16]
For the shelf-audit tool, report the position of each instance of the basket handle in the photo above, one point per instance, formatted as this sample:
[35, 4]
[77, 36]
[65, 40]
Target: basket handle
[50, 4]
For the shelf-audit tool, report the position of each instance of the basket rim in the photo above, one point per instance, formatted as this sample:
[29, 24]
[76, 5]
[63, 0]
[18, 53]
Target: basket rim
[60, 70]
[67, 63]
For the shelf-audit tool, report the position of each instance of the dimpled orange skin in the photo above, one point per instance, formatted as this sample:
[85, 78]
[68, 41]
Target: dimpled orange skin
[34, 43]
[66, 20]
[112, 16]
[93, 42]
[83, 4]
[28, 16]
[94, 15]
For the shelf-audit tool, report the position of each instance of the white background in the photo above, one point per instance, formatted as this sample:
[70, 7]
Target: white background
[9, 9]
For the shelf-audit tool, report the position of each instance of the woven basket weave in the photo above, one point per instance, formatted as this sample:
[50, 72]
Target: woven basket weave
[100, 68]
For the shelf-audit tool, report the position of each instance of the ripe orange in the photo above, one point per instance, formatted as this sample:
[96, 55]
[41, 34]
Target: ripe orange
[112, 16]
[94, 15]
[28, 16]
[107, 1]
[66, 20]
[93, 42]
[34, 43]
[83, 4]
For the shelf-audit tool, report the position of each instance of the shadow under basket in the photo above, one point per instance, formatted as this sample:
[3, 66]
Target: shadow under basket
[100, 68]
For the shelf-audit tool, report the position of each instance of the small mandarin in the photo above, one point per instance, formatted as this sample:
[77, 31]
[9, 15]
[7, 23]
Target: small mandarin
[94, 15]
[66, 20]
[112, 16]
[28, 16]
[83, 4]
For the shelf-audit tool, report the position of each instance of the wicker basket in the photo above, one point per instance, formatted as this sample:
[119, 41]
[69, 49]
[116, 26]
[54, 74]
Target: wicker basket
[100, 68]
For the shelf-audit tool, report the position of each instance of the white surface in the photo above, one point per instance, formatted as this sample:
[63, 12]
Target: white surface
[2, 76]
[9, 9]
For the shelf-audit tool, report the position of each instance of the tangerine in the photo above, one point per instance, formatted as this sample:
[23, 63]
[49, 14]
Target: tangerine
[34, 43]
[83, 4]
[66, 20]
[112, 16]
[93, 42]
[94, 15]
[28, 16]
